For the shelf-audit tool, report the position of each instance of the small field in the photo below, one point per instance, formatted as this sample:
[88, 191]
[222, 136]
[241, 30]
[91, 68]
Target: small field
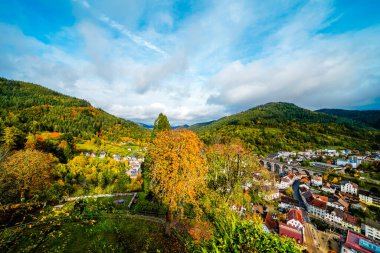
[109, 148]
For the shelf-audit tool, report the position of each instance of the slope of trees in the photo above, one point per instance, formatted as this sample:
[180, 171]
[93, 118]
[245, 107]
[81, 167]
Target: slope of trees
[369, 117]
[30, 108]
[283, 126]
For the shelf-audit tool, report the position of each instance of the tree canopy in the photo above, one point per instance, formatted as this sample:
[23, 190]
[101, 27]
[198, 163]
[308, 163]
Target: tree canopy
[26, 172]
[161, 124]
[178, 170]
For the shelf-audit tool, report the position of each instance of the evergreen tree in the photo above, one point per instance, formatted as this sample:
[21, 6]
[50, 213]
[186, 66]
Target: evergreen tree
[161, 124]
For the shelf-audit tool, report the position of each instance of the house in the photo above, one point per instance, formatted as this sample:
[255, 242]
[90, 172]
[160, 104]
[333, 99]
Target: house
[327, 188]
[285, 183]
[353, 161]
[343, 203]
[305, 180]
[291, 232]
[270, 192]
[117, 157]
[372, 229]
[317, 207]
[287, 202]
[334, 215]
[336, 204]
[102, 154]
[369, 197]
[351, 222]
[301, 174]
[316, 180]
[356, 243]
[269, 224]
[349, 187]
[295, 218]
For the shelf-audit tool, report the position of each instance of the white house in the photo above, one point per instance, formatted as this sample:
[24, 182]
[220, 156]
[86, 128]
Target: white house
[349, 187]
[372, 229]
[316, 180]
[334, 215]
[368, 197]
[295, 219]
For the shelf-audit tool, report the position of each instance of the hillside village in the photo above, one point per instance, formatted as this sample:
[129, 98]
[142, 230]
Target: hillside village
[134, 163]
[315, 196]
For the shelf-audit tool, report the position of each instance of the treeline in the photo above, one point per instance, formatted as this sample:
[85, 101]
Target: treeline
[369, 117]
[283, 126]
[29, 108]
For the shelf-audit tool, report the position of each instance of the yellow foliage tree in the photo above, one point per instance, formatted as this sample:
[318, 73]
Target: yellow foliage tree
[178, 170]
[30, 171]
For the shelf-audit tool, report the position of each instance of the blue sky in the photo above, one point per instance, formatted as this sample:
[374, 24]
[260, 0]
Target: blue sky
[196, 60]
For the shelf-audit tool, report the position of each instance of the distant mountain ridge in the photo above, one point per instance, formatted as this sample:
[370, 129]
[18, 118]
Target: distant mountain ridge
[369, 117]
[284, 126]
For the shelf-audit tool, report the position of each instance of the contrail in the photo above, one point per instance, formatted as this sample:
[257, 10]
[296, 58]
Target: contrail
[123, 30]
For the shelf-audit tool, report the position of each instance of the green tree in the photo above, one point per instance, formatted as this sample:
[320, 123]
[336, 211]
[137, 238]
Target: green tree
[289, 192]
[10, 137]
[161, 124]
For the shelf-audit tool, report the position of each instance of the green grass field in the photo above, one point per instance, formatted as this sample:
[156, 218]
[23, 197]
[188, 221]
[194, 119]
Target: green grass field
[109, 148]
[106, 235]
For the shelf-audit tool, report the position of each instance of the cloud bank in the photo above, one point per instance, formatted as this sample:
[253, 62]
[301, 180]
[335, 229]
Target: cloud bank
[200, 62]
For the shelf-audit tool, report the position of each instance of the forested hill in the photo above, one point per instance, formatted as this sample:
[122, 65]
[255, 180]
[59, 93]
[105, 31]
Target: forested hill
[284, 126]
[30, 108]
[369, 117]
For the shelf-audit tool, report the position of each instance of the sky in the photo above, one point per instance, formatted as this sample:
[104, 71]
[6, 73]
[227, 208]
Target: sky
[196, 61]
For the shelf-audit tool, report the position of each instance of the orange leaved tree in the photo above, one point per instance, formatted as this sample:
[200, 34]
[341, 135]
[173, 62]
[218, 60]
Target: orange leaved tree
[29, 171]
[178, 170]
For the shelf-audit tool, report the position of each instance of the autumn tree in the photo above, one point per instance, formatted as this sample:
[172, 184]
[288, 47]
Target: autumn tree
[289, 192]
[11, 137]
[177, 169]
[230, 165]
[29, 171]
[161, 124]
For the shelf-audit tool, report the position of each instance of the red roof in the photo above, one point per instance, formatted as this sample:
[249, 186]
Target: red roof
[353, 239]
[320, 197]
[296, 215]
[291, 232]
[351, 219]
[318, 203]
[271, 223]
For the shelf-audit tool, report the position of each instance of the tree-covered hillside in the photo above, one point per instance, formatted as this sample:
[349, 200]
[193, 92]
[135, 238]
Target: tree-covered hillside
[284, 126]
[30, 108]
[369, 117]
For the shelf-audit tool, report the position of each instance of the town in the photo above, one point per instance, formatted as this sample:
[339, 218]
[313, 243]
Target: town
[327, 200]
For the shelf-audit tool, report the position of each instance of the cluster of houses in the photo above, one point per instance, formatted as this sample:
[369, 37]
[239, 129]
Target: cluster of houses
[133, 162]
[351, 158]
[333, 209]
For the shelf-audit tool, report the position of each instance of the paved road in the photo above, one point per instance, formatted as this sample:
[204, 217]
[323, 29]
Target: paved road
[312, 240]
[97, 196]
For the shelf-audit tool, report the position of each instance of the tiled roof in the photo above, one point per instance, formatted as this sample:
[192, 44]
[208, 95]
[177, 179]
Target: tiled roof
[351, 219]
[295, 214]
[320, 197]
[271, 223]
[291, 231]
[288, 200]
[353, 240]
[318, 203]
